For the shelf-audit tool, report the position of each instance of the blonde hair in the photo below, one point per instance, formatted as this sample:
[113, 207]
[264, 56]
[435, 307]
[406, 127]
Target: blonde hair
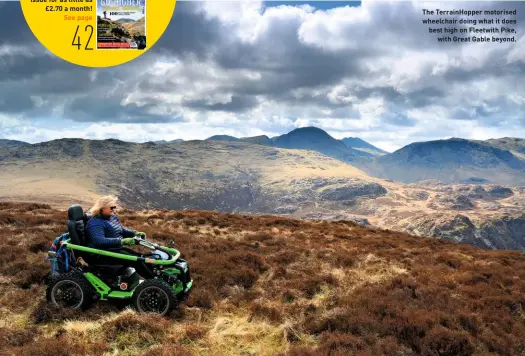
[104, 202]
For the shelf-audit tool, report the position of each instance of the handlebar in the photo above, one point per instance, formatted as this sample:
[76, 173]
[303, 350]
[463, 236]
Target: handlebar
[175, 254]
[143, 242]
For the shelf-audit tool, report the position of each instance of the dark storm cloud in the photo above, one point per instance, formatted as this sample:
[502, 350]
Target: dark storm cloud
[237, 104]
[13, 24]
[424, 97]
[86, 109]
[13, 103]
[283, 61]
[18, 66]
[389, 93]
[417, 99]
[399, 120]
[494, 65]
[302, 67]
[191, 32]
[23, 56]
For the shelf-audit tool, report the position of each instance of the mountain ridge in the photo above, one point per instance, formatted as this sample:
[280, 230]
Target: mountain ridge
[360, 144]
[5, 143]
[254, 179]
[512, 144]
[453, 160]
[450, 160]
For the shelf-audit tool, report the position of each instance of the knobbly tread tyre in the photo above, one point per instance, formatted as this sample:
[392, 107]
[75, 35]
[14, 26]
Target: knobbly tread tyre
[158, 283]
[78, 278]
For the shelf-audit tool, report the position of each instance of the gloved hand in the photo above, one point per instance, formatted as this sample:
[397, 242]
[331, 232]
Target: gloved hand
[142, 235]
[128, 241]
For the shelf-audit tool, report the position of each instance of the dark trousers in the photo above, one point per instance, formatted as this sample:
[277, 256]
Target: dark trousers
[140, 266]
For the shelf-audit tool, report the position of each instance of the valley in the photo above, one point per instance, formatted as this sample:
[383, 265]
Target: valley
[238, 176]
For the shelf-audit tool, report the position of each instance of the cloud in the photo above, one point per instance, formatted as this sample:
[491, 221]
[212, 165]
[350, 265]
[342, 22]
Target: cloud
[241, 68]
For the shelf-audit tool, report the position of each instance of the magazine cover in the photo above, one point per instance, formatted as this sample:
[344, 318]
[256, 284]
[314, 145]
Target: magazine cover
[121, 24]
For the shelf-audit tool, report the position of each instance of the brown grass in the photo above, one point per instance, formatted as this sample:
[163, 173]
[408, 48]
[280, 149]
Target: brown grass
[273, 286]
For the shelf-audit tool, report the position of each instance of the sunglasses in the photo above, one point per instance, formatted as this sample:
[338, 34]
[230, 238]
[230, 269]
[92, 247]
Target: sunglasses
[113, 207]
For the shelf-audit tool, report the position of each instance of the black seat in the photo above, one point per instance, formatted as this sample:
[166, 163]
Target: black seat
[76, 225]
[108, 267]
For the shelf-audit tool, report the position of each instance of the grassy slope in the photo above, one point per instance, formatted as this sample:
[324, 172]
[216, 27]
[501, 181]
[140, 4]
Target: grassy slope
[195, 172]
[515, 145]
[52, 182]
[268, 285]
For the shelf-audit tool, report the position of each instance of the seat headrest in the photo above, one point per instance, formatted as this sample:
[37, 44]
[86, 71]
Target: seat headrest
[75, 213]
[86, 217]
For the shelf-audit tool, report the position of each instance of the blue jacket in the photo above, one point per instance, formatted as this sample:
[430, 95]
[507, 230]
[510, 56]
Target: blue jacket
[102, 233]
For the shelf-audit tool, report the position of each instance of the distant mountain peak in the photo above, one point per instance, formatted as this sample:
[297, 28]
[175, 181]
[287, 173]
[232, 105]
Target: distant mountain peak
[259, 136]
[222, 138]
[451, 160]
[310, 130]
[316, 139]
[13, 141]
[164, 142]
[358, 143]
[5, 143]
[259, 140]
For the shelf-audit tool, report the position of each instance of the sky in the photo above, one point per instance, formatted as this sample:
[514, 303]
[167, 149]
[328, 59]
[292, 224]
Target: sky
[367, 69]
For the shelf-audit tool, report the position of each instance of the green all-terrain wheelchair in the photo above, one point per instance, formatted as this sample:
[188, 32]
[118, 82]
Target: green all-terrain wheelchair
[154, 282]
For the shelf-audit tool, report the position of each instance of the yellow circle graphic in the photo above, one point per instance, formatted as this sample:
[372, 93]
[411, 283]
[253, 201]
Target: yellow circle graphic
[98, 33]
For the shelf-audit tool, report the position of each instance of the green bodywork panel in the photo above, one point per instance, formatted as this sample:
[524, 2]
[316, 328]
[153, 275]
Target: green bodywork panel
[102, 288]
[171, 271]
[188, 286]
[177, 288]
[105, 291]
[169, 250]
[174, 252]
[120, 294]
[101, 252]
